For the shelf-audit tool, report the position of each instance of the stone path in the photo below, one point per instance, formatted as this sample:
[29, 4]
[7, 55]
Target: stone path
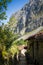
[22, 60]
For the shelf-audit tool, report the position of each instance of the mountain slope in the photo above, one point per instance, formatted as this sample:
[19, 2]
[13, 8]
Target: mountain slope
[29, 17]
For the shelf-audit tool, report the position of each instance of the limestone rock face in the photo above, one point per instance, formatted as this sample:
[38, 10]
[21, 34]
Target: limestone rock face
[29, 17]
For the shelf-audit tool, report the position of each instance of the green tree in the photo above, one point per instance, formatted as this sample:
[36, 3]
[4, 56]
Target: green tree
[6, 39]
[3, 8]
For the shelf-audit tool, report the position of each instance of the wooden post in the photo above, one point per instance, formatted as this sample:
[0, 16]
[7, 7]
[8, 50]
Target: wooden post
[37, 44]
[33, 49]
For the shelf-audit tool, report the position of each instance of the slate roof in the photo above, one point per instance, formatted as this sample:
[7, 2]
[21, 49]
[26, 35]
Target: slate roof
[31, 34]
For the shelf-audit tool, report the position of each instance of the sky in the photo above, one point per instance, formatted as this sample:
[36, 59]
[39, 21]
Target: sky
[13, 7]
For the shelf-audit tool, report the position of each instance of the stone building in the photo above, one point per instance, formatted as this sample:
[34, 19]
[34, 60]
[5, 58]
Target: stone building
[35, 44]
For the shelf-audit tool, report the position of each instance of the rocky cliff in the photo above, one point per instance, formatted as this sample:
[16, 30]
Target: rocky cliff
[29, 18]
